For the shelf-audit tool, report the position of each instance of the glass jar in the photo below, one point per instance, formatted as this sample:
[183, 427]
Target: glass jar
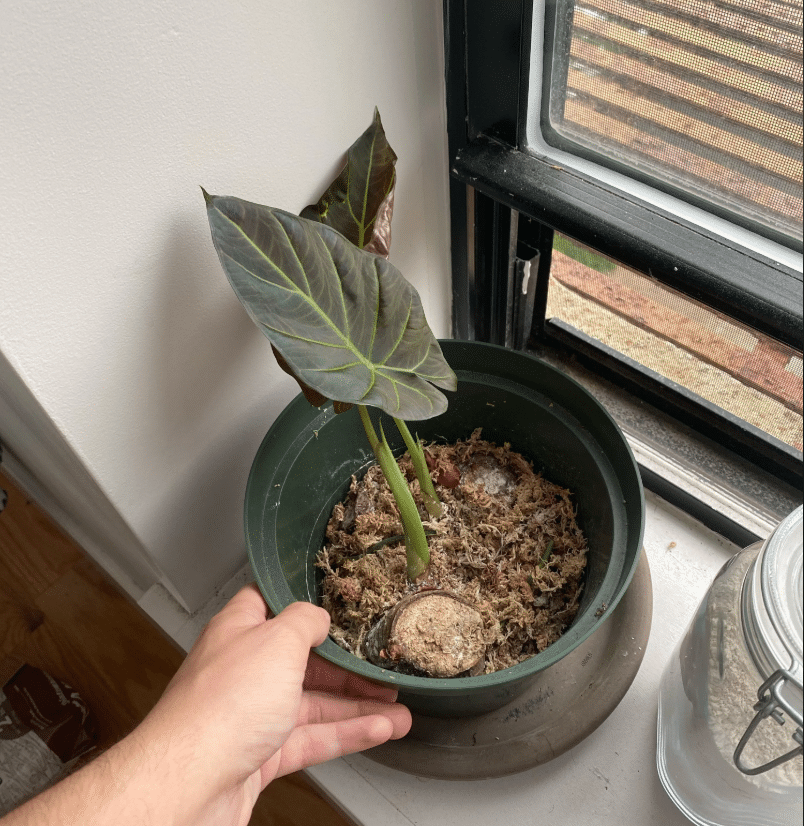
[730, 702]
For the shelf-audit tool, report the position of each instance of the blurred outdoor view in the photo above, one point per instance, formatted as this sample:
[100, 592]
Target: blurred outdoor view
[705, 95]
[724, 362]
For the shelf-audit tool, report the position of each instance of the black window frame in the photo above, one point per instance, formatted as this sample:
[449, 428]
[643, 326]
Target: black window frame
[558, 27]
[494, 180]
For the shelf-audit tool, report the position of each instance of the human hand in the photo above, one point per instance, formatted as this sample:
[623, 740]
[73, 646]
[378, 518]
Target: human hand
[251, 703]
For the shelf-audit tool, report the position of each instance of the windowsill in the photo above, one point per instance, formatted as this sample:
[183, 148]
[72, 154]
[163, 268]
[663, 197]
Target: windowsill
[726, 493]
[609, 778]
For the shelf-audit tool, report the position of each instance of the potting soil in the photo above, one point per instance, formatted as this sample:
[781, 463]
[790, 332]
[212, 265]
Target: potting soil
[507, 542]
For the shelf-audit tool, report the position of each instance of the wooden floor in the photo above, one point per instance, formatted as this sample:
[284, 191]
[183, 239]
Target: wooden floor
[61, 613]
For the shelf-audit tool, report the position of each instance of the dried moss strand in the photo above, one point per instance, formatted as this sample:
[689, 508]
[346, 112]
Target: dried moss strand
[391, 540]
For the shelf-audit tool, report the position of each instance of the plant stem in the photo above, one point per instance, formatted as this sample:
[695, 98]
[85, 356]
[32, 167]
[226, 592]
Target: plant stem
[418, 553]
[546, 554]
[390, 540]
[430, 497]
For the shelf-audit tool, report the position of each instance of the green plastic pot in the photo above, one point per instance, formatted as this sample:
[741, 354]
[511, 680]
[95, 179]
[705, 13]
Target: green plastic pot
[305, 463]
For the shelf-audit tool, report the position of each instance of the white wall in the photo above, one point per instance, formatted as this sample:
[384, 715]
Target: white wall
[114, 314]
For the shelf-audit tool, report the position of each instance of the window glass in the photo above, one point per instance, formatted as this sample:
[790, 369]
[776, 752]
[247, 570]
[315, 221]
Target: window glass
[738, 369]
[704, 97]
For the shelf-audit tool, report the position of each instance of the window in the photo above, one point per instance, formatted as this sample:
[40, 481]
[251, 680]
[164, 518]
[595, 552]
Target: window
[746, 373]
[701, 98]
[636, 167]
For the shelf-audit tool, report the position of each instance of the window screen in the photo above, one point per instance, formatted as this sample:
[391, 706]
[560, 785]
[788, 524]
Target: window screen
[730, 365]
[702, 97]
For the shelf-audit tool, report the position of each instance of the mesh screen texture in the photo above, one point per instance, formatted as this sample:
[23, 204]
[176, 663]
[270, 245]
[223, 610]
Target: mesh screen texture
[705, 95]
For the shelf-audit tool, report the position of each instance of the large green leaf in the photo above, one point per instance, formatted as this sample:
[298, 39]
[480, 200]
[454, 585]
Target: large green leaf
[360, 201]
[346, 321]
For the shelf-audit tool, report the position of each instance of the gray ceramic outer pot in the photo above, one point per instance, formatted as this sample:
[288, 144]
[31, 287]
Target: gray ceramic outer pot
[305, 462]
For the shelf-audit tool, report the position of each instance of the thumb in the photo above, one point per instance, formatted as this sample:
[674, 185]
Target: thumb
[308, 622]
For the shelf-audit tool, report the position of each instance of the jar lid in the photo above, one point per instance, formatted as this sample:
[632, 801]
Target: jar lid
[772, 612]
[782, 579]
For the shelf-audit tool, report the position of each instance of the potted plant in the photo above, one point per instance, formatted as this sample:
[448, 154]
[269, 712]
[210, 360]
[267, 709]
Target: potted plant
[347, 325]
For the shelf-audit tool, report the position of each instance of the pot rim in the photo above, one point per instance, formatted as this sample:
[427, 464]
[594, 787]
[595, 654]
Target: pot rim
[280, 597]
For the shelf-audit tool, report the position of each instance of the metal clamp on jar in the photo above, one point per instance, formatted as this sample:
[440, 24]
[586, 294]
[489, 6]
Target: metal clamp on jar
[772, 704]
[730, 702]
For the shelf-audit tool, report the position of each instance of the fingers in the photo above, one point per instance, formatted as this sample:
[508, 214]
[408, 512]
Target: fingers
[323, 675]
[318, 707]
[282, 644]
[248, 603]
[317, 743]
[304, 619]
[247, 607]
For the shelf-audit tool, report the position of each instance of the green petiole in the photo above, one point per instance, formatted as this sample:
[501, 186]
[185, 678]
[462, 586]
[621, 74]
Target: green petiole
[431, 500]
[390, 540]
[418, 552]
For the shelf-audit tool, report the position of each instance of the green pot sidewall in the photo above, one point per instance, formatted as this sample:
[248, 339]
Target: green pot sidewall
[305, 463]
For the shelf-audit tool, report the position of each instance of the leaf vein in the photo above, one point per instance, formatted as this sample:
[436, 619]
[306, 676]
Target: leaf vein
[402, 330]
[304, 338]
[335, 369]
[295, 288]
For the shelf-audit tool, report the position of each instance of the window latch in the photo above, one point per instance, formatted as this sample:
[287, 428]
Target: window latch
[522, 299]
